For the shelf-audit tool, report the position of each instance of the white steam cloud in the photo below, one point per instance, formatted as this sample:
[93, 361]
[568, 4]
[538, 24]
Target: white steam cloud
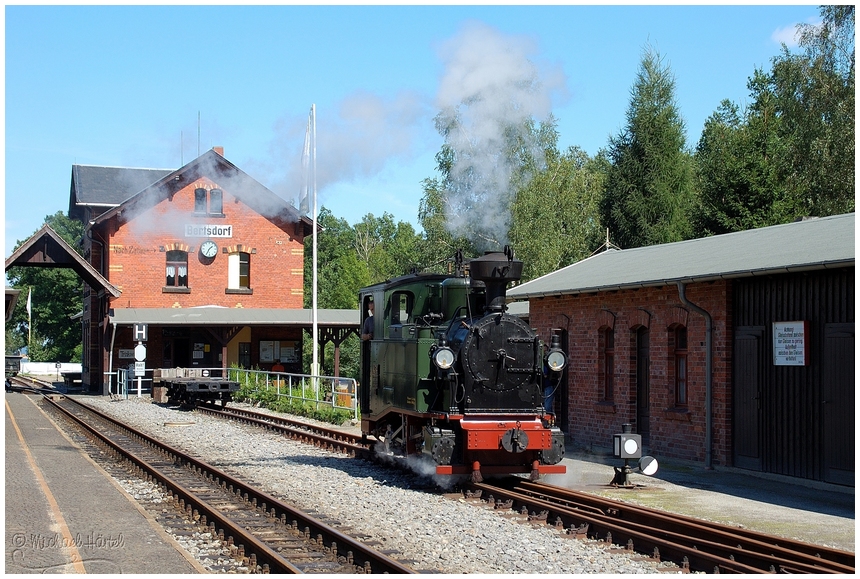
[490, 88]
[490, 85]
[356, 141]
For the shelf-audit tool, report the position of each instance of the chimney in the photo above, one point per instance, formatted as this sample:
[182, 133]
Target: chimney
[219, 150]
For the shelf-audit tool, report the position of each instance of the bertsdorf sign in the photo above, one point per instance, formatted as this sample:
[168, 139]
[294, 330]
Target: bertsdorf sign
[208, 230]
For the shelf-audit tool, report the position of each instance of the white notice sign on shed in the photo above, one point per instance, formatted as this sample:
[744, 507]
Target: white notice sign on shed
[789, 343]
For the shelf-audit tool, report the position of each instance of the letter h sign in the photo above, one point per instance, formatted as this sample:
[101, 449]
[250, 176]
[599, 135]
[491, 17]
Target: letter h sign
[140, 332]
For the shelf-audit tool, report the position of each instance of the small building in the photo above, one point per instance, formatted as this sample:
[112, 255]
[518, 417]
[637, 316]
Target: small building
[732, 350]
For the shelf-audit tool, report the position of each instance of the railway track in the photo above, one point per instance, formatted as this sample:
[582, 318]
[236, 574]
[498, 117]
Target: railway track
[319, 436]
[264, 533]
[693, 544]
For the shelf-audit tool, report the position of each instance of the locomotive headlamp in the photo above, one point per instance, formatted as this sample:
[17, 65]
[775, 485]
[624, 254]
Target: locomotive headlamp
[556, 361]
[555, 358]
[443, 357]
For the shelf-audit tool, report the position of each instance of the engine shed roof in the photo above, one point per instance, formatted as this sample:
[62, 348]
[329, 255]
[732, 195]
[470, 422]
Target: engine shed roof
[811, 244]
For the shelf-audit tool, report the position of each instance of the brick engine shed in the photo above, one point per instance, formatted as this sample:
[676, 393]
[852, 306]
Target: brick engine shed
[733, 350]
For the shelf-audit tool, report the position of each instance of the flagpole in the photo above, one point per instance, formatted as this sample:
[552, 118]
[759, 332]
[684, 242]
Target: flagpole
[315, 363]
[29, 322]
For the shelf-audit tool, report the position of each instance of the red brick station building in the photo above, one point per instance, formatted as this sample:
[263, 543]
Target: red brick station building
[205, 258]
[734, 350]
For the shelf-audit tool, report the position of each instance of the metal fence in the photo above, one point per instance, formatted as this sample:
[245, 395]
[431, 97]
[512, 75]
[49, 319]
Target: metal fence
[334, 391]
[128, 383]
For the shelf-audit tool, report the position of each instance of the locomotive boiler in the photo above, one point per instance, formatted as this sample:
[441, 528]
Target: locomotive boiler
[450, 376]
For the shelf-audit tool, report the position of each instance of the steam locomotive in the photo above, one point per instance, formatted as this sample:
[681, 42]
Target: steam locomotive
[450, 376]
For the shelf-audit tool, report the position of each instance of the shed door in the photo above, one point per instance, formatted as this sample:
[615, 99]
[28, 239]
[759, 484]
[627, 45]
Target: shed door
[747, 397]
[643, 385]
[837, 403]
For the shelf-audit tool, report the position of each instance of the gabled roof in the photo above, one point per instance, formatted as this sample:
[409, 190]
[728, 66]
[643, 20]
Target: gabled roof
[106, 187]
[826, 242]
[47, 249]
[230, 178]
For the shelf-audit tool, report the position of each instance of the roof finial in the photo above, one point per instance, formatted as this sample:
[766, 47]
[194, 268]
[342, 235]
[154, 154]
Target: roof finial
[606, 245]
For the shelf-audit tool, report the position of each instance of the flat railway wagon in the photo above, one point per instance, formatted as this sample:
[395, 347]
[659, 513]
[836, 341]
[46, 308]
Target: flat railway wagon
[449, 376]
[191, 390]
[13, 365]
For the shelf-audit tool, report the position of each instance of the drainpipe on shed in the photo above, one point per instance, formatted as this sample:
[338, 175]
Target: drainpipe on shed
[709, 381]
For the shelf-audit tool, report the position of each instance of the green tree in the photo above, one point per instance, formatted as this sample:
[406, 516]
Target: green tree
[56, 301]
[556, 215]
[814, 92]
[738, 182]
[389, 249]
[649, 191]
[340, 273]
[790, 153]
[439, 245]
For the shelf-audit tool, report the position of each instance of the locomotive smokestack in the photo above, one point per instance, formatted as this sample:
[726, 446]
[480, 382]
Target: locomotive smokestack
[496, 269]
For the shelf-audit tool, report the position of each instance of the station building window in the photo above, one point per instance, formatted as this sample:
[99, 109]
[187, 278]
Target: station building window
[176, 269]
[209, 202]
[239, 271]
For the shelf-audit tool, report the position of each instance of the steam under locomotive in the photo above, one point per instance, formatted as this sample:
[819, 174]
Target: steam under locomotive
[451, 376]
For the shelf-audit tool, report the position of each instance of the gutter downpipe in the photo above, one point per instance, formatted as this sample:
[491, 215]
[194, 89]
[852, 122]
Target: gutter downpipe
[709, 380]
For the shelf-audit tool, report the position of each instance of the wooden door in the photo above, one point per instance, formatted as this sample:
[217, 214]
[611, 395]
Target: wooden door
[747, 396]
[643, 385]
[837, 404]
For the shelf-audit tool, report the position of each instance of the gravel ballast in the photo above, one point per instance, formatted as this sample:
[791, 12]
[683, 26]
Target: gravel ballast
[428, 532]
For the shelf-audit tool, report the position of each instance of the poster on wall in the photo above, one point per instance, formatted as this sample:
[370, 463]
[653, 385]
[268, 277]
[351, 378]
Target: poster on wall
[288, 354]
[790, 347]
[267, 351]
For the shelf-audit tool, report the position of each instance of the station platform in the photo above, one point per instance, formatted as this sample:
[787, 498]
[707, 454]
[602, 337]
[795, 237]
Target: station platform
[800, 509]
[65, 514]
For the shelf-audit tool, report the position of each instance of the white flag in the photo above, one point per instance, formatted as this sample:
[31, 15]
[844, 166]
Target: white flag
[29, 302]
[304, 207]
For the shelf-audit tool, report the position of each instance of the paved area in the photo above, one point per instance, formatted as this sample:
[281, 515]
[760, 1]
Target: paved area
[788, 507]
[64, 514]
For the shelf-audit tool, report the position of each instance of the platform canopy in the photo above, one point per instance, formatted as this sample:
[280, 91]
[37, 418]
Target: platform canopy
[47, 249]
[221, 316]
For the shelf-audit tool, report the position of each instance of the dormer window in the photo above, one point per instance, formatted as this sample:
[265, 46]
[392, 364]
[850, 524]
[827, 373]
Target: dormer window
[209, 202]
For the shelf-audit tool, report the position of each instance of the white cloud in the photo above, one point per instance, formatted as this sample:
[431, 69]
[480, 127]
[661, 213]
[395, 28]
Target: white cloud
[787, 35]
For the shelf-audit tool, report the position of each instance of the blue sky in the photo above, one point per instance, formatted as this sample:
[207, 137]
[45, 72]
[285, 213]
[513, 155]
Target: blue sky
[150, 86]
